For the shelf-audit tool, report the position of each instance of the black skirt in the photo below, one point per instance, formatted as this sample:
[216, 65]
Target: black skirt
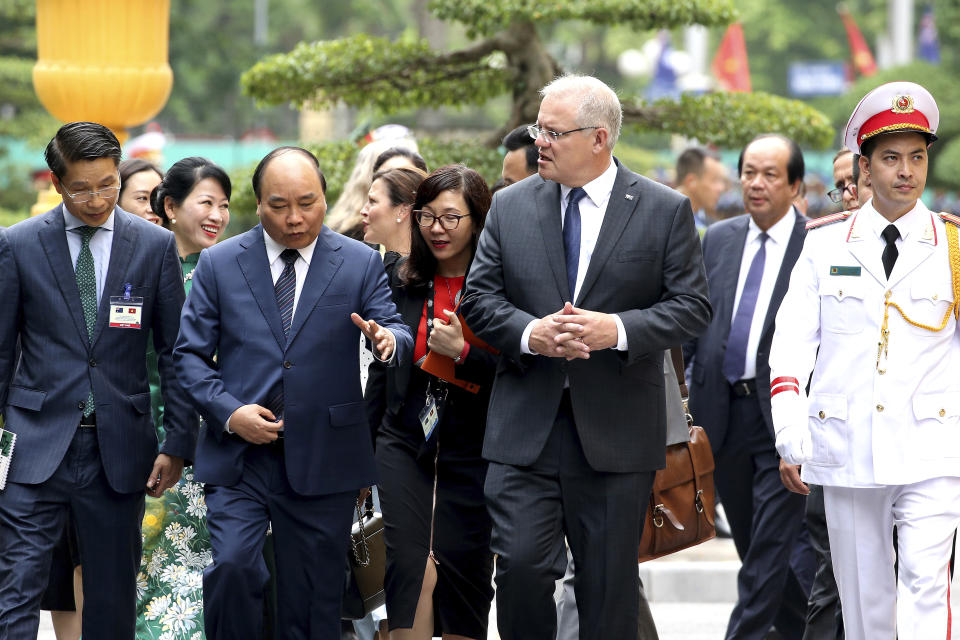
[459, 523]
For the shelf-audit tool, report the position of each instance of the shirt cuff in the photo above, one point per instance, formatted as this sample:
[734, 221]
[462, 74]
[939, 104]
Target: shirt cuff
[621, 334]
[525, 339]
[376, 356]
[226, 426]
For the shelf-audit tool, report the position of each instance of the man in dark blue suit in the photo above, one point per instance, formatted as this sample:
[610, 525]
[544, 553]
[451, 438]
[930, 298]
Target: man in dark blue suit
[83, 286]
[268, 351]
[748, 261]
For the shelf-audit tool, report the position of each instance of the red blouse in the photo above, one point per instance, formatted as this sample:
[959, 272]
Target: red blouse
[444, 294]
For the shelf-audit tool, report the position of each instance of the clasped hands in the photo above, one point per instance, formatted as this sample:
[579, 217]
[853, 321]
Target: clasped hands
[573, 333]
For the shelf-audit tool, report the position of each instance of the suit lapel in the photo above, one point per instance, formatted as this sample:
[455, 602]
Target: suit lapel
[411, 311]
[324, 265]
[125, 240]
[256, 271]
[624, 199]
[53, 239]
[548, 212]
[729, 269]
[794, 246]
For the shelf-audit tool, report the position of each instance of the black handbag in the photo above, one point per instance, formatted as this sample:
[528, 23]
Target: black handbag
[366, 564]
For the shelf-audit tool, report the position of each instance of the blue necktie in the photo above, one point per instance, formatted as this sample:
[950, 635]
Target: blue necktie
[285, 288]
[571, 237]
[735, 357]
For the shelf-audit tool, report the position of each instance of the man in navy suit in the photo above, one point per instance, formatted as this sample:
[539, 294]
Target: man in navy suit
[268, 351]
[83, 287]
[748, 261]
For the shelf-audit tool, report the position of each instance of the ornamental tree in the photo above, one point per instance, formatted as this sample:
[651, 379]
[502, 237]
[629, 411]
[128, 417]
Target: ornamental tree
[508, 56]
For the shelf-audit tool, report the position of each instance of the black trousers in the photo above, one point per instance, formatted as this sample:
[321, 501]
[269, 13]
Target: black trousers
[766, 521]
[601, 516]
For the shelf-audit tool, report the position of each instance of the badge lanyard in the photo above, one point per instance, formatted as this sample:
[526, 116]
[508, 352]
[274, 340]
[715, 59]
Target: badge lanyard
[436, 394]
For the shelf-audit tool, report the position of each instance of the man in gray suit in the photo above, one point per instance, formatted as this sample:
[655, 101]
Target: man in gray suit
[584, 274]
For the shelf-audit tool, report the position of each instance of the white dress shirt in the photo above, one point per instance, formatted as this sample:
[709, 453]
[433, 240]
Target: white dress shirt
[913, 222]
[778, 238]
[100, 245]
[592, 209]
[300, 266]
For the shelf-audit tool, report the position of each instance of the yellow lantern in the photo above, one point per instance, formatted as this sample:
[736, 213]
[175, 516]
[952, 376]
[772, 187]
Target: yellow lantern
[103, 60]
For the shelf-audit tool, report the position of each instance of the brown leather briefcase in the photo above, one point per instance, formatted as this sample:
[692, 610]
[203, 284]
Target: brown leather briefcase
[681, 509]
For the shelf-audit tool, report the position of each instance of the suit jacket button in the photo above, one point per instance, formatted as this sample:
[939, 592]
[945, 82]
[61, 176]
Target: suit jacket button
[93, 362]
[287, 364]
[81, 405]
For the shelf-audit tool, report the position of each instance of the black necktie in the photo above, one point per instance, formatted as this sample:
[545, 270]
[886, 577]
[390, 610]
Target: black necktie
[890, 253]
[571, 237]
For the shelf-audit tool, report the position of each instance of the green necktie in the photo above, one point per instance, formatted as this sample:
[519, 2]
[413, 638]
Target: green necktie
[87, 284]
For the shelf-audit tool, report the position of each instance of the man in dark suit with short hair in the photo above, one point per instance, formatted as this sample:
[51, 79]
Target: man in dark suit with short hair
[83, 286]
[748, 261]
[268, 352]
[584, 275]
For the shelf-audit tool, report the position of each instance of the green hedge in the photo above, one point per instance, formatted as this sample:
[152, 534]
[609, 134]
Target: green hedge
[9, 218]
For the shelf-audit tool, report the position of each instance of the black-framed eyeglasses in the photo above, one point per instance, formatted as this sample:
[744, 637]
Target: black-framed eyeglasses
[86, 196]
[535, 132]
[837, 194]
[447, 220]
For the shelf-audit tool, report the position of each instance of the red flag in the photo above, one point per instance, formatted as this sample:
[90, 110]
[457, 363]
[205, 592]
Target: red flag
[862, 58]
[729, 65]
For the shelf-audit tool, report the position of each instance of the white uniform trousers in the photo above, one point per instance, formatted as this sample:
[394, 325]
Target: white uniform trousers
[878, 604]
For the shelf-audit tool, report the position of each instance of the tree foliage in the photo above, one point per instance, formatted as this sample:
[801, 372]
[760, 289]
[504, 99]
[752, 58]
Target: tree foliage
[731, 119]
[487, 17]
[367, 71]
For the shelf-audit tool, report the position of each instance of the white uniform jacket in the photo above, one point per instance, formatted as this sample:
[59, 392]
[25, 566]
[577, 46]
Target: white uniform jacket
[868, 421]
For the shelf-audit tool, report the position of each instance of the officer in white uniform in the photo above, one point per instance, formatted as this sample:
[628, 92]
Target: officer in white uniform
[872, 312]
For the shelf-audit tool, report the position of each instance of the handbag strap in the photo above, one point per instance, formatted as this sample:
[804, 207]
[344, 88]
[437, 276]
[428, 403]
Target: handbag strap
[361, 551]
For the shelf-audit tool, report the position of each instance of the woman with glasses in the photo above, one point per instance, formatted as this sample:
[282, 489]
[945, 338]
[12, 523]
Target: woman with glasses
[193, 201]
[429, 431]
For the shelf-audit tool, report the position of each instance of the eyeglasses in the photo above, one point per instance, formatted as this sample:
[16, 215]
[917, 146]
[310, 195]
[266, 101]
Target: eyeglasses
[837, 194]
[535, 132]
[448, 220]
[86, 196]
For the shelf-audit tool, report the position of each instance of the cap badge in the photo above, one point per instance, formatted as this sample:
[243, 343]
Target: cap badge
[903, 104]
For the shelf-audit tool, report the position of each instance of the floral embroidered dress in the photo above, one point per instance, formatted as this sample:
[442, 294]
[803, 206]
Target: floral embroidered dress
[176, 543]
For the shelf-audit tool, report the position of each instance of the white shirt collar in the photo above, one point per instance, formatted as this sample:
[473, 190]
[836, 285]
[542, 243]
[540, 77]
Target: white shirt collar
[910, 223]
[598, 189]
[780, 232]
[274, 249]
[72, 222]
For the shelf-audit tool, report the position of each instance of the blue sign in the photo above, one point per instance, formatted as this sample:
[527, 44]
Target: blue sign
[817, 78]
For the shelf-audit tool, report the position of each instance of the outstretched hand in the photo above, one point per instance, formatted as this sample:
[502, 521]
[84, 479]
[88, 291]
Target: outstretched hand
[381, 339]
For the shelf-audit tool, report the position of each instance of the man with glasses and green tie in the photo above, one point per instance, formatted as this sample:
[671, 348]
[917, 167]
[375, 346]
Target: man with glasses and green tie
[84, 286]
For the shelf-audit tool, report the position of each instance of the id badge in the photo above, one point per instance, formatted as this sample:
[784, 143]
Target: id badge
[125, 313]
[429, 416]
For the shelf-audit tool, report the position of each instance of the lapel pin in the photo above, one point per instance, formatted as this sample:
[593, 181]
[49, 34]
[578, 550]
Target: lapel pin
[628, 196]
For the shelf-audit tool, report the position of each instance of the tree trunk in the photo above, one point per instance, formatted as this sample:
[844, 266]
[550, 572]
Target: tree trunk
[532, 67]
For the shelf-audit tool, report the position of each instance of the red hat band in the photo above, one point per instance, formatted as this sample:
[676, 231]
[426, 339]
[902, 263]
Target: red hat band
[890, 120]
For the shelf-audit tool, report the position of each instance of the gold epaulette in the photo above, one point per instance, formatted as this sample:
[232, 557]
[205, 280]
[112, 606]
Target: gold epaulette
[949, 217]
[828, 220]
